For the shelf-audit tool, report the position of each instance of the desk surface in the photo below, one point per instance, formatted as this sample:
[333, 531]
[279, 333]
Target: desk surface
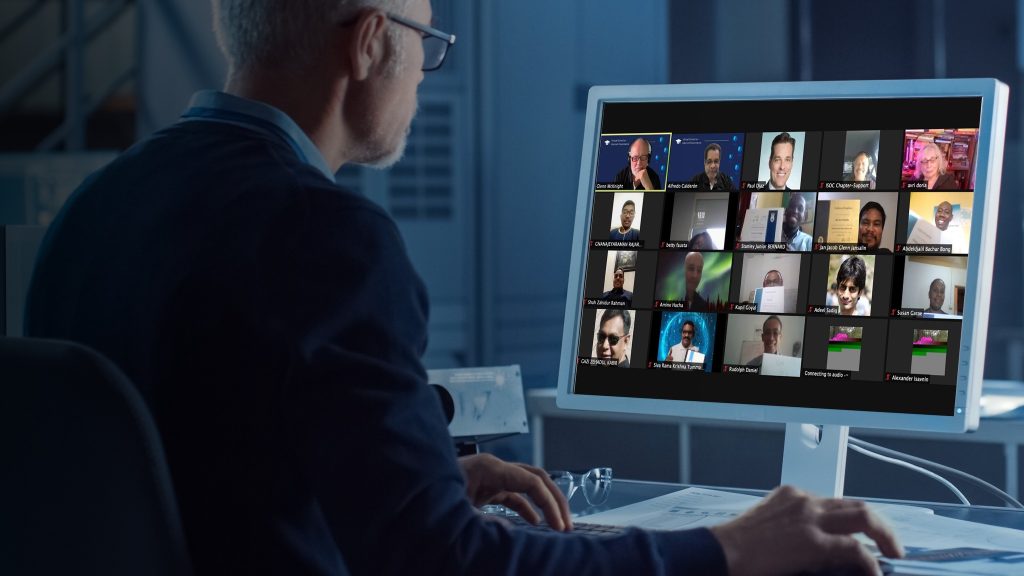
[625, 492]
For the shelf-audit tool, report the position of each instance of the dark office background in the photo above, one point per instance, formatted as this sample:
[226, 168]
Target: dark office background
[486, 193]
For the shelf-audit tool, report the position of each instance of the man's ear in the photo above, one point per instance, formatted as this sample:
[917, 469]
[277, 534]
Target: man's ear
[367, 43]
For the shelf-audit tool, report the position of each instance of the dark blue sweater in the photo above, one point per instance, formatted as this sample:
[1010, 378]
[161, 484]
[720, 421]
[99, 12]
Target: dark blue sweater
[274, 324]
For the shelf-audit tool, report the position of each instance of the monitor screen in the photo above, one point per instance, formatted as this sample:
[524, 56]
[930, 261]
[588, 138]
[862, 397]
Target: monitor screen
[783, 251]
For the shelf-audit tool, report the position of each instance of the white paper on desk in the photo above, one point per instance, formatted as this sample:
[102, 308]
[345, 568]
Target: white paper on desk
[688, 508]
[933, 532]
[916, 526]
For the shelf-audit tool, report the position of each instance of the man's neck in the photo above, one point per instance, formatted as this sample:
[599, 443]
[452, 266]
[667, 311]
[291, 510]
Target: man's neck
[314, 107]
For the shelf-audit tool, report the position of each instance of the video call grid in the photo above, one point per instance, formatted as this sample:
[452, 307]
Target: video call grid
[734, 195]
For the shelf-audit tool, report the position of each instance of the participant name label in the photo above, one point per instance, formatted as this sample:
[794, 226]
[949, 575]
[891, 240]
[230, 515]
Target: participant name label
[831, 310]
[743, 307]
[683, 366]
[682, 186]
[598, 362]
[604, 303]
[841, 247]
[734, 369]
[830, 374]
[836, 185]
[925, 248]
[919, 378]
[616, 244]
[609, 186]
[761, 246]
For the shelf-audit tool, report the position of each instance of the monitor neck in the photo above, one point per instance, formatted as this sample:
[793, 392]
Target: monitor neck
[814, 458]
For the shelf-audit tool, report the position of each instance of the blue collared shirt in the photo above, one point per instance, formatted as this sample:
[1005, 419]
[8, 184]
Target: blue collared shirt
[217, 106]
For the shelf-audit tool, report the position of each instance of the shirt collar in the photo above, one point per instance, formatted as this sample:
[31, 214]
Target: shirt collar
[217, 106]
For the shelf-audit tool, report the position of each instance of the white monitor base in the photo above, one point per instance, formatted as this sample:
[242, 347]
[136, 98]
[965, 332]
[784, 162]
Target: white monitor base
[814, 458]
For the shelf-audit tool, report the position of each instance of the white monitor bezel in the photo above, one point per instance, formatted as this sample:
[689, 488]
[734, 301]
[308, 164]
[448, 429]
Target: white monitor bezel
[988, 174]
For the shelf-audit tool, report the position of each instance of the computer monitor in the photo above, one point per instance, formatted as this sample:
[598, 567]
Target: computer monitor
[814, 253]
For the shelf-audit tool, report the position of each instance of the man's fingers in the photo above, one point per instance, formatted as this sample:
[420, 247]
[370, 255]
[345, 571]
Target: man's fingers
[847, 551]
[518, 504]
[556, 492]
[858, 518]
[534, 487]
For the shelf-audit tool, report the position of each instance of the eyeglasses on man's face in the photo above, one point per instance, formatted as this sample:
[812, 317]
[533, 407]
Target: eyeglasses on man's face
[435, 42]
[613, 339]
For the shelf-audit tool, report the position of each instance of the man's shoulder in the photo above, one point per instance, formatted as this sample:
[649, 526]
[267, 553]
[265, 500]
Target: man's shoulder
[266, 167]
[227, 173]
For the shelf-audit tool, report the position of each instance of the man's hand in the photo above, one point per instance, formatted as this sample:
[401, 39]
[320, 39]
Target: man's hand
[791, 531]
[645, 179]
[669, 357]
[490, 480]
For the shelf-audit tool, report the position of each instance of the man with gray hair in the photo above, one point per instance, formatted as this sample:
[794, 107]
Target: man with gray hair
[274, 325]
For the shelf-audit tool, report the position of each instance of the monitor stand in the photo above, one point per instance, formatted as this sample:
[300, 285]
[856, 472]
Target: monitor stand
[814, 458]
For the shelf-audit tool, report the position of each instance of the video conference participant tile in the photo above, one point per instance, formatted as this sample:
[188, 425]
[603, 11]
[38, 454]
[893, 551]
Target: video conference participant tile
[700, 219]
[617, 334]
[850, 284]
[705, 162]
[619, 216]
[632, 162]
[776, 221]
[769, 282]
[686, 340]
[847, 348]
[938, 223]
[939, 159]
[923, 351]
[771, 345]
[697, 281]
[855, 221]
[934, 286]
[861, 160]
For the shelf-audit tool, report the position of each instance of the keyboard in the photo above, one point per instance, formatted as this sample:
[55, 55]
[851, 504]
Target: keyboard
[578, 527]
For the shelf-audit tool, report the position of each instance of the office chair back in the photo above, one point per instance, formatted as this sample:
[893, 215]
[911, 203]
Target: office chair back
[84, 483]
